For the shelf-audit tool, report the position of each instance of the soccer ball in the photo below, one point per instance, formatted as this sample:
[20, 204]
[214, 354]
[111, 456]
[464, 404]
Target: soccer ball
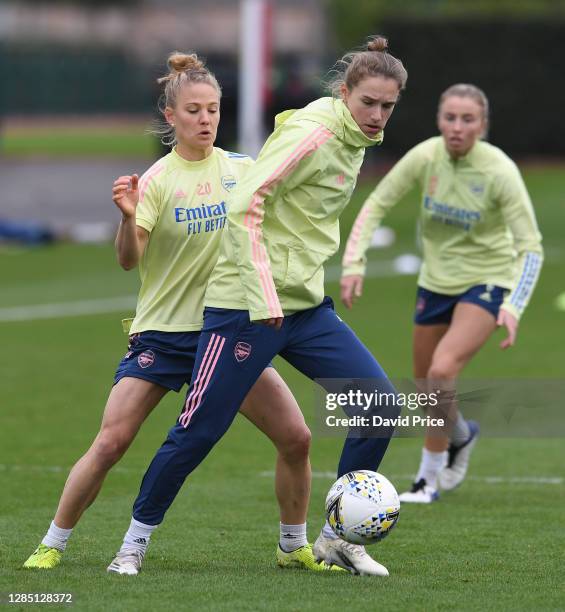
[362, 507]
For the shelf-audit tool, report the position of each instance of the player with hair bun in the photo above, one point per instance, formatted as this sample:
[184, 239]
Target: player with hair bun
[172, 221]
[266, 294]
[482, 257]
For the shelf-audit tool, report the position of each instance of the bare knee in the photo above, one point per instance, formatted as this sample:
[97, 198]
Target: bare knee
[444, 368]
[109, 447]
[294, 447]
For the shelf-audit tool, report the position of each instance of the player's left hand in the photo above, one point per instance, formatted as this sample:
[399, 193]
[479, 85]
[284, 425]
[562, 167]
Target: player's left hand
[275, 322]
[505, 319]
[351, 287]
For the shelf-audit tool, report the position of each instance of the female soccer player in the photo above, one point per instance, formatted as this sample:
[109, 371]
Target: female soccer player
[266, 293]
[174, 235]
[482, 257]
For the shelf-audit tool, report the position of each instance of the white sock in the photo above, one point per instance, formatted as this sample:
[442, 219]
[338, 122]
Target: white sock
[292, 537]
[328, 532]
[460, 432]
[57, 537]
[430, 466]
[137, 536]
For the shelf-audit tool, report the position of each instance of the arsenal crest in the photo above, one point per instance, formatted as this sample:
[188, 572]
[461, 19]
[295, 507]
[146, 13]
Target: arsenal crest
[146, 359]
[242, 351]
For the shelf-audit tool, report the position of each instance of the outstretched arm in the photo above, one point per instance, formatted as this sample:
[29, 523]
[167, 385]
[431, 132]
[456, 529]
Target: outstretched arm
[387, 193]
[519, 215]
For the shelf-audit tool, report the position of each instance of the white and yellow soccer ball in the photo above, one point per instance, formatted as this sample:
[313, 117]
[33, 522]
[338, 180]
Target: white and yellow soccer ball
[362, 507]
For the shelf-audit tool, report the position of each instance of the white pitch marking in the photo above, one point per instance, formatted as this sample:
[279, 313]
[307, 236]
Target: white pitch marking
[541, 480]
[516, 480]
[67, 309]
[375, 269]
[56, 469]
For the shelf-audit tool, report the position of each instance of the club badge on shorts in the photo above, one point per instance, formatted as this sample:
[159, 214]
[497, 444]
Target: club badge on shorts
[146, 359]
[242, 351]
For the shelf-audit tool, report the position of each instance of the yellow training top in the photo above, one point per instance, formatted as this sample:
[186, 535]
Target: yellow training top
[182, 204]
[476, 219]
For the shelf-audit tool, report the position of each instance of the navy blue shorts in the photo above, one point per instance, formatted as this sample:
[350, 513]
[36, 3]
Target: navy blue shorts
[163, 358]
[436, 308]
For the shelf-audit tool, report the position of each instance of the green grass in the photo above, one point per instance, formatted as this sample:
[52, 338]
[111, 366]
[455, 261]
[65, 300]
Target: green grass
[485, 546]
[104, 141]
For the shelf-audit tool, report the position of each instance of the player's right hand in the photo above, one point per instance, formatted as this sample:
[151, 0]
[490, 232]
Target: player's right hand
[275, 322]
[351, 289]
[125, 194]
[510, 322]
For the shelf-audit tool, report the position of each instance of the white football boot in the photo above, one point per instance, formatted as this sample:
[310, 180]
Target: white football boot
[458, 460]
[420, 493]
[127, 562]
[351, 557]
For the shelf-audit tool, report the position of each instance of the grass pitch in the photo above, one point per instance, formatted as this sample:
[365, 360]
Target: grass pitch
[79, 137]
[494, 545]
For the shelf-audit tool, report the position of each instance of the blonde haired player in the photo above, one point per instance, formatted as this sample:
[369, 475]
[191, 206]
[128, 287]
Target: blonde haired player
[266, 293]
[482, 256]
[172, 221]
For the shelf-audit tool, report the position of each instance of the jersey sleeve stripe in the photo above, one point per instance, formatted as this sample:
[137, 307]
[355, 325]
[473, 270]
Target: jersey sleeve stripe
[527, 282]
[524, 277]
[261, 261]
[351, 247]
[146, 179]
[254, 215]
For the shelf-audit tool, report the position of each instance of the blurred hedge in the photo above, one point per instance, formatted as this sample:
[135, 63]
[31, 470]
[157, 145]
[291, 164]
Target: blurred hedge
[518, 64]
